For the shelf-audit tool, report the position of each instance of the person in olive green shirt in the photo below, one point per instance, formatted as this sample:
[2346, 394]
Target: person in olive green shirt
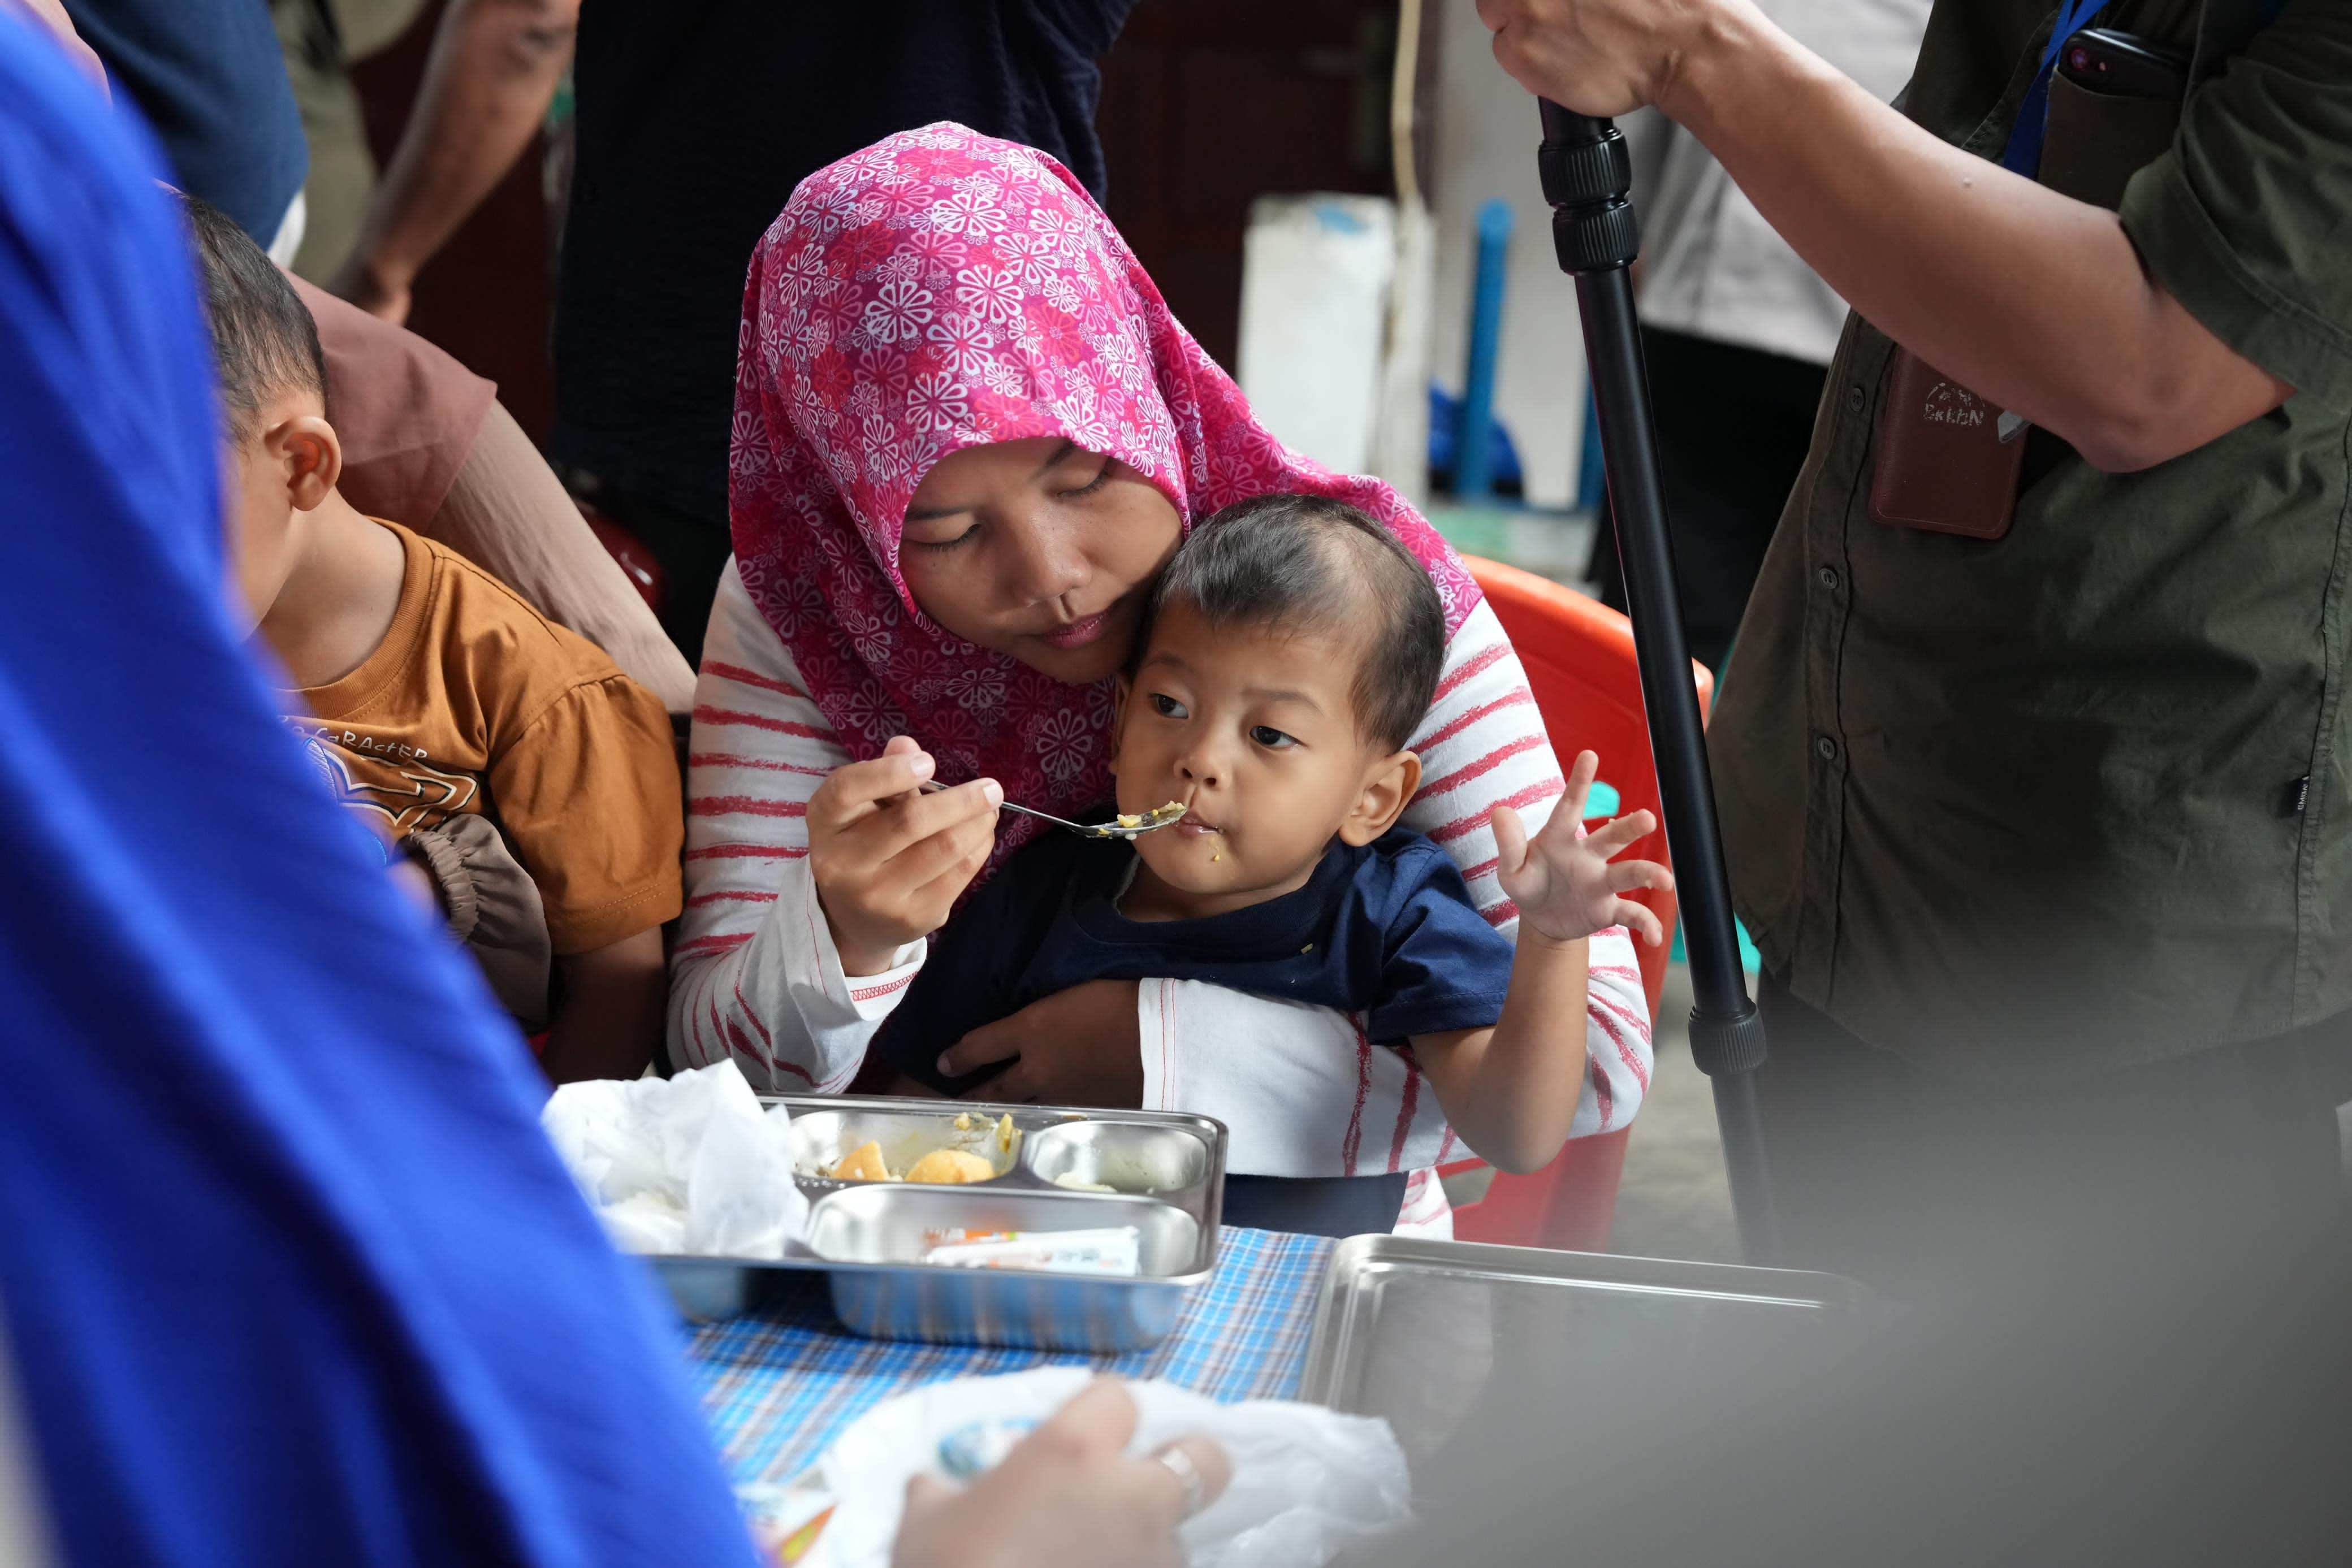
[2045, 840]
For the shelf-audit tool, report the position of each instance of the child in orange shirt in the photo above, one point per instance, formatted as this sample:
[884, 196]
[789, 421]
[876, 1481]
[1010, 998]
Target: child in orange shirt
[443, 708]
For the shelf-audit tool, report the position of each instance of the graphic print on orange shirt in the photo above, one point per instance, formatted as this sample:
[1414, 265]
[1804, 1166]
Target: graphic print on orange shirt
[391, 779]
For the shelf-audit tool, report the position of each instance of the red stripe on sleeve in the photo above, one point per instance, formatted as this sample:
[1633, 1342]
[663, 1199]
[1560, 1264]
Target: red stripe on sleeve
[1405, 1111]
[1636, 1021]
[695, 1048]
[748, 852]
[766, 1038]
[742, 676]
[1355, 1137]
[729, 896]
[701, 946]
[1485, 765]
[745, 805]
[1625, 1053]
[1479, 662]
[735, 760]
[704, 713]
[1519, 698]
[1526, 796]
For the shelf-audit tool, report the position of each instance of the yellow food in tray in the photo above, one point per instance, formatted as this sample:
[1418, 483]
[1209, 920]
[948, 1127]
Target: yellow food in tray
[862, 1163]
[950, 1167]
[965, 1160]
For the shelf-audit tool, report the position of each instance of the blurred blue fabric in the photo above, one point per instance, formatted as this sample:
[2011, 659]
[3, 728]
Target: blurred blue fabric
[289, 1274]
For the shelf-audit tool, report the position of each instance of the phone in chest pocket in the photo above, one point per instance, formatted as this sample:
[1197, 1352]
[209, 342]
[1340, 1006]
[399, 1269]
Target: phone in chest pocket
[1948, 460]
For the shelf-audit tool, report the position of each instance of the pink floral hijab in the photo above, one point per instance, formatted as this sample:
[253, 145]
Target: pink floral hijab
[943, 289]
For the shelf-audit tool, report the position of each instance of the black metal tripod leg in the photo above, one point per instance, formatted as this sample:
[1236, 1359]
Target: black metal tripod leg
[1587, 177]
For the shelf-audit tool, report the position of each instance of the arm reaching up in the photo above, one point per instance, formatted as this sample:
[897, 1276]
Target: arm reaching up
[1513, 1090]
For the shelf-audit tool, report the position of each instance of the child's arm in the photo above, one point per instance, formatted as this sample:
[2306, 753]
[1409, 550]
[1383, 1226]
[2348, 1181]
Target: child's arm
[609, 1022]
[1512, 1091]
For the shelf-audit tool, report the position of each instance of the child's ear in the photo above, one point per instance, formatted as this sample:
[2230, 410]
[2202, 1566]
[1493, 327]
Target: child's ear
[1389, 787]
[1125, 689]
[307, 448]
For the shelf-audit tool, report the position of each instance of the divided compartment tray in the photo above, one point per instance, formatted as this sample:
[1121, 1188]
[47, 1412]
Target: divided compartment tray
[867, 1237]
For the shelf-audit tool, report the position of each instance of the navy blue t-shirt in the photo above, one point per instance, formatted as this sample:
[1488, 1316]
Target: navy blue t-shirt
[211, 78]
[1387, 930]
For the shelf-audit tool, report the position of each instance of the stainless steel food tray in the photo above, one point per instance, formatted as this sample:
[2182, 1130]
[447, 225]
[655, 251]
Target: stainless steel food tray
[1418, 1330]
[1558, 1405]
[867, 1237]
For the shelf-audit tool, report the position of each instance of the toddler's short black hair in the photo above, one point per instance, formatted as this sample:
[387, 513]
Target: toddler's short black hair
[263, 338]
[1310, 563]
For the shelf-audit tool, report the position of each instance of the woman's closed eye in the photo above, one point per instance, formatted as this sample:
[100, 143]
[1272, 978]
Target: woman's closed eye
[1102, 477]
[1273, 739]
[1167, 706]
[958, 543]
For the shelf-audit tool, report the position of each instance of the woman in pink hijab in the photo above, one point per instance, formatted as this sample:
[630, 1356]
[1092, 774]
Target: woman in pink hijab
[968, 436]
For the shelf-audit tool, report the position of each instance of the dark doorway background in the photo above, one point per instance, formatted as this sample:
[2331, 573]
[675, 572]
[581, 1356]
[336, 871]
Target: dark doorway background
[1207, 105]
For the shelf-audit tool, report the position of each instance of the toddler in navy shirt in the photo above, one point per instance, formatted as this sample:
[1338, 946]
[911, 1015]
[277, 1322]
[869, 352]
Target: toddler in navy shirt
[1292, 647]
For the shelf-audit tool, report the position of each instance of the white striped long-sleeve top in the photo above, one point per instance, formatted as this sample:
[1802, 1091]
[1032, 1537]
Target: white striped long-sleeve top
[756, 976]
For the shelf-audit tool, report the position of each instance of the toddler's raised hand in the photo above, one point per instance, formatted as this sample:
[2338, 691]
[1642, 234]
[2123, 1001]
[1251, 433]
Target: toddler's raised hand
[1563, 881]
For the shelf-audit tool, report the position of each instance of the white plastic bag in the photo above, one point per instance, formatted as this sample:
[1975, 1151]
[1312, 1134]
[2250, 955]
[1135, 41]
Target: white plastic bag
[686, 1165]
[1306, 1480]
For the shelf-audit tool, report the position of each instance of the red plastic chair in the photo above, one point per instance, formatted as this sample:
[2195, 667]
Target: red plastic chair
[629, 553]
[1579, 655]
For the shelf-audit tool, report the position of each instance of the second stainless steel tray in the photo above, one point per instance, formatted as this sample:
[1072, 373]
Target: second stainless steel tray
[1418, 1330]
[1168, 1171]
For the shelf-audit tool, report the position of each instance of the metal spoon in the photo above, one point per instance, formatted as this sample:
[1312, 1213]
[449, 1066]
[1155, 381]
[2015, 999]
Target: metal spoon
[1160, 817]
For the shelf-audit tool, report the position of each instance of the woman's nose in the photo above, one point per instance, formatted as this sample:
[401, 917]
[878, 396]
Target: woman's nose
[1046, 562]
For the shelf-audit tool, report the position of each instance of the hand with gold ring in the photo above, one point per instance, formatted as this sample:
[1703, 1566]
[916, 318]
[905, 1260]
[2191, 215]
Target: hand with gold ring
[1067, 1495]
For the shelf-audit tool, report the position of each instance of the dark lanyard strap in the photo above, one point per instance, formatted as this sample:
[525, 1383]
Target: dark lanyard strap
[2023, 153]
[2224, 27]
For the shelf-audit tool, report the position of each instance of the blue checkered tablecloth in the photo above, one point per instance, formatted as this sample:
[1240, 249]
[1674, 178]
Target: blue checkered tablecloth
[778, 1385]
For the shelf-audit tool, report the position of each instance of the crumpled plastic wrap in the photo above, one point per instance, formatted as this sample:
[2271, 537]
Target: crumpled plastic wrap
[1306, 1480]
[689, 1165]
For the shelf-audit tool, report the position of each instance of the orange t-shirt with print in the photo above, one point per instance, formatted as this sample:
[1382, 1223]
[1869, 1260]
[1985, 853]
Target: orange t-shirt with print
[474, 702]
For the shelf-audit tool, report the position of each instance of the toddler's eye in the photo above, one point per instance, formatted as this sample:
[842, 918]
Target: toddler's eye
[1273, 739]
[1167, 706]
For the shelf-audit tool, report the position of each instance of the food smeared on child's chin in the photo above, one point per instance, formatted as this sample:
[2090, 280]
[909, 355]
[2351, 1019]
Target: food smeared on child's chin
[1191, 857]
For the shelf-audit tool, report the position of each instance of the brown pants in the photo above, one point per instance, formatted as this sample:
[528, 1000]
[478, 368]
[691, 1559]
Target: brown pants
[493, 907]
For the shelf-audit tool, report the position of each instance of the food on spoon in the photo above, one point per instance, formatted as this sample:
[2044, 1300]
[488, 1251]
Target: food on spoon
[862, 1163]
[1129, 820]
[950, 1167]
